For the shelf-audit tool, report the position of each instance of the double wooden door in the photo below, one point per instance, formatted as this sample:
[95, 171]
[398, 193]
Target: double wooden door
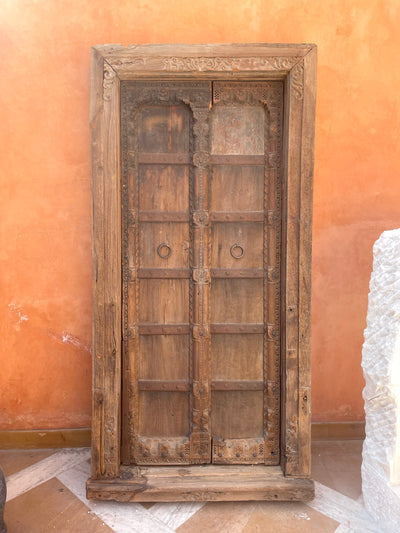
[201, 226]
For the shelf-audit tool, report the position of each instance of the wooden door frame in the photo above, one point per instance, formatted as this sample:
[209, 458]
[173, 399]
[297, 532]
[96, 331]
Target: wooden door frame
[296, 66]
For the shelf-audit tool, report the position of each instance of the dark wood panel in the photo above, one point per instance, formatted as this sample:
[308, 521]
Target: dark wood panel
[164, 129]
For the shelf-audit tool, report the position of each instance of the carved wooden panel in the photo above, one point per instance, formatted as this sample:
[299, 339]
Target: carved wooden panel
[201, 271]
[165, 260]
[246, 182]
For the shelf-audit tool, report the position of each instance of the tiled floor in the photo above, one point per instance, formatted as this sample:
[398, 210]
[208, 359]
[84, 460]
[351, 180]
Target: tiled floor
[46, 492]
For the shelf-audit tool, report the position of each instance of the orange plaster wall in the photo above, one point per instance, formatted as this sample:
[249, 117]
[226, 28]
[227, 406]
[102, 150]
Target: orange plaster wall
[45, 243]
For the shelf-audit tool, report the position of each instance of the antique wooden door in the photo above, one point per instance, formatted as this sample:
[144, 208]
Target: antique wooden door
[201, 249]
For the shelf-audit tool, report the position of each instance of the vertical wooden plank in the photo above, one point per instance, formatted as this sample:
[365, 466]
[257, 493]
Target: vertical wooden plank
[200, 439]
[272, 279]
[290, 422]
[130, 336]
[106, 268]
[305, 246]
[299, 143]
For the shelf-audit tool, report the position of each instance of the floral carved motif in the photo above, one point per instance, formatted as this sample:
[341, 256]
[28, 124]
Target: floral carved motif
[171, 451]
[202, 64]
[239, 451]
[109, 76]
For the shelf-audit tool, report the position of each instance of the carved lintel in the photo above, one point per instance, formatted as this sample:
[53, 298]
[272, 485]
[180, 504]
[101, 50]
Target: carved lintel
[241, 93]
[201, 276]
[203, 64]
[130, 62]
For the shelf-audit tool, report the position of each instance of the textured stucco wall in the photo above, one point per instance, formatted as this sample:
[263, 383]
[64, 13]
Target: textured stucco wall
[45, 309]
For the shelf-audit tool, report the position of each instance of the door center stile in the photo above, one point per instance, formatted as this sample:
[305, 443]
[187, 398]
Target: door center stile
[200, 441]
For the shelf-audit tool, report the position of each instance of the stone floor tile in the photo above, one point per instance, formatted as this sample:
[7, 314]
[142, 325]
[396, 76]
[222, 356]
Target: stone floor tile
[288, 517]
[51, 507]
[219, 517]
[12, 461]
[337, 464]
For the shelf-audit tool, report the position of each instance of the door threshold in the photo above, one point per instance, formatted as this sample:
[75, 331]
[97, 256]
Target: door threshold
[200, 483]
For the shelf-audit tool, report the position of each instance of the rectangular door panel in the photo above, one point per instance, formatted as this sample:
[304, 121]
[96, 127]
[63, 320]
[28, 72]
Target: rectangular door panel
[237, 188]
[237, 357]
[237, 245]
[164, 301]
[164, 129]
[237, 301]
[155, 185]
[163, 414]
[163, 245]
[237, 130]
[237, 414]
[164, 357]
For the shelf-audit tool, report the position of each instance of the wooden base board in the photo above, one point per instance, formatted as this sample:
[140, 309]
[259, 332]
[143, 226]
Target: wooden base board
[338, 431]
[44, 438]
[201, 483]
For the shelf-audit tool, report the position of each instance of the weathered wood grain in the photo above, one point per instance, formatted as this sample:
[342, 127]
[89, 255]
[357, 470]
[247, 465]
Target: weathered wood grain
[197, 289]
[106, 238]
[202, 483]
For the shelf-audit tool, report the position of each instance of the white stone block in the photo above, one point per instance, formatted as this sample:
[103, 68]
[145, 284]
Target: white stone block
[381, 365]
